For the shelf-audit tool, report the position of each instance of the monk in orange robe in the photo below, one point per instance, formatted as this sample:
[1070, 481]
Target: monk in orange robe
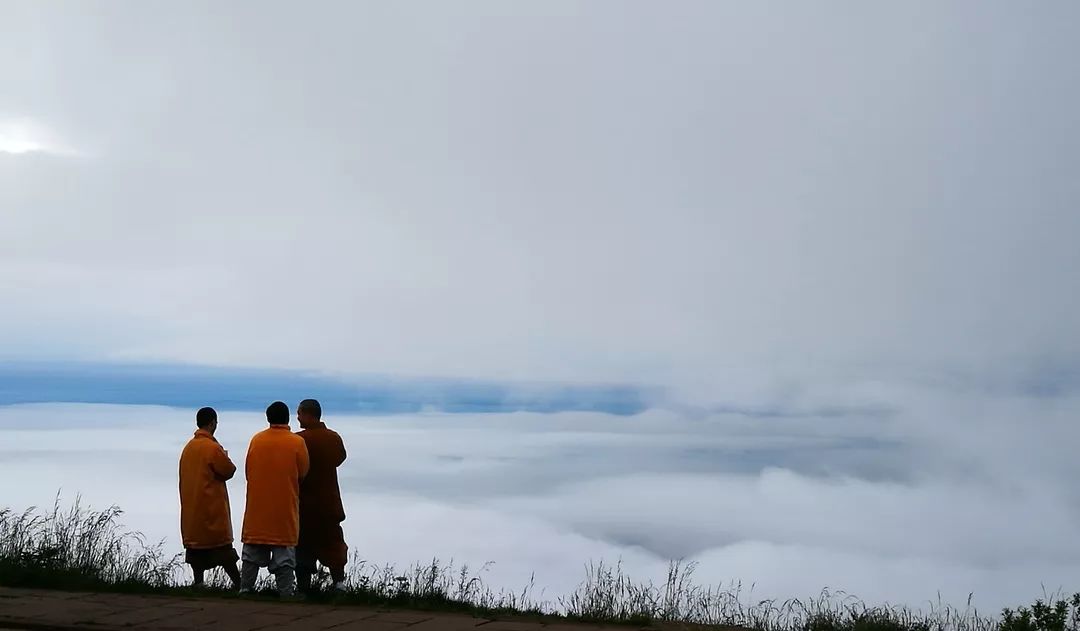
[277, 461]
[321, 510]
[205, 517]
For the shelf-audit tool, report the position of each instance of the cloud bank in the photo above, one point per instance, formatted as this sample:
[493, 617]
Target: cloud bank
[785, 507]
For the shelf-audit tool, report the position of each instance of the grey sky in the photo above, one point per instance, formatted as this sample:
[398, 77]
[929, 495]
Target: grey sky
[583, 190]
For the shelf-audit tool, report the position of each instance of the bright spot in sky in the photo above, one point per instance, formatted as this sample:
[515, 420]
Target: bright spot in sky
[20, 136]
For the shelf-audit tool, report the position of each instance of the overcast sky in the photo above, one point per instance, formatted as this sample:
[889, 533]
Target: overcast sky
[843, 215]
[564, 190]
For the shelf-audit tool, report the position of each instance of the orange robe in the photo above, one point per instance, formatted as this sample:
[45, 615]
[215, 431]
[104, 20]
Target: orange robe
[277, 461]
[321, 509]
[205, 518]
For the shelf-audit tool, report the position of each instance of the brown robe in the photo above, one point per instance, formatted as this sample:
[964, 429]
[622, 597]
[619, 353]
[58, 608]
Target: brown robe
[321, 510]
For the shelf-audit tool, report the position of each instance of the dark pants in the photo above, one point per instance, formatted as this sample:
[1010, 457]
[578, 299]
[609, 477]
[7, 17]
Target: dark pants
[325, 546]
[202, 560]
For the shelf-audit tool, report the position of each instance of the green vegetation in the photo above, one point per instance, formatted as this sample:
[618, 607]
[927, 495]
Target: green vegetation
[1052, 614]
[87, 550]
[79, 549]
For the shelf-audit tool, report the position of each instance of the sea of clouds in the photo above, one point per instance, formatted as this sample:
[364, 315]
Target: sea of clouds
[898, 504]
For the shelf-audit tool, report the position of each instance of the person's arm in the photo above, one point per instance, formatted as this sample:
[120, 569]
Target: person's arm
[221, 465]
[303, 461]
[341, 455]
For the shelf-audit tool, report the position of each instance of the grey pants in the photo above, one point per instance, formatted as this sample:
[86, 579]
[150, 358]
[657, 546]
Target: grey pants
[281, 562]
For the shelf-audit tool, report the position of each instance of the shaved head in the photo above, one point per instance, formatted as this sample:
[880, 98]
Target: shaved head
[312, 407]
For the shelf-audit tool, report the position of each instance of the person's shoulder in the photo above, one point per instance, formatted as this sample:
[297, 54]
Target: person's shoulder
[190, 446]
[260, 436]
[298, 442]
[199, 447]
[316, 432]
[198, 441]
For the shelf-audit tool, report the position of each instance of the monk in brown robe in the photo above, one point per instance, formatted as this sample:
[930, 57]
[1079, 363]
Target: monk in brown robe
[321, 511]
[205, 518]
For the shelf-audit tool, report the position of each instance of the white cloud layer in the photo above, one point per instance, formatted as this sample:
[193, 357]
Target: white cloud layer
[787, 508]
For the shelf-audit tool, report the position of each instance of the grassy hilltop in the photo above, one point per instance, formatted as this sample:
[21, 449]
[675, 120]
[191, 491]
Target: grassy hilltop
[78, 548]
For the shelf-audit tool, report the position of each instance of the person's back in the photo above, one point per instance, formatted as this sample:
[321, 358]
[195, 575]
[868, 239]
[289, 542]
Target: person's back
[321, 510]
[205, 517]
[277, 461]
[205, 520]
[320, 494]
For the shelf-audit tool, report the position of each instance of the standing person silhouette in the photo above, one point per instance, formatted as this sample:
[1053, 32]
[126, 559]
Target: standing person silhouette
[205, 516]
[321, 510]
[277, 461]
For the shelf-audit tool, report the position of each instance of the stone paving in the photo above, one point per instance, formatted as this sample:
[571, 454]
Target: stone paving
[39, 610]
